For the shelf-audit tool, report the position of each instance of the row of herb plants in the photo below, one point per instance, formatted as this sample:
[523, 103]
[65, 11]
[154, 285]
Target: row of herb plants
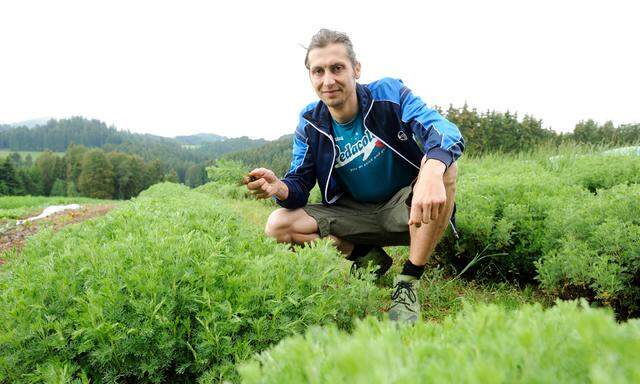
[168, 286]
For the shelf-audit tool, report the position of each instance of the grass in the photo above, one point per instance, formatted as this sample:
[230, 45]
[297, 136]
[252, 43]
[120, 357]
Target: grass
[16, 207]
[34, 154]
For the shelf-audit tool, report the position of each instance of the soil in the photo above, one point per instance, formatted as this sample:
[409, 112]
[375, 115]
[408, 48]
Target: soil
[15, 237]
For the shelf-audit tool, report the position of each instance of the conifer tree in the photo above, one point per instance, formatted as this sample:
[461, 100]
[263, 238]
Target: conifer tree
[59, 188]
[50, 168]
[96, 178]
[9, 177]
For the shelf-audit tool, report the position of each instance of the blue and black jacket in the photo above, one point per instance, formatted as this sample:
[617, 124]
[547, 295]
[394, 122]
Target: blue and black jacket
[392, 113]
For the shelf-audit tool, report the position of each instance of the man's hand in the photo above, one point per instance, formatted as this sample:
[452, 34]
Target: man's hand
[429, 194]
[266, 185]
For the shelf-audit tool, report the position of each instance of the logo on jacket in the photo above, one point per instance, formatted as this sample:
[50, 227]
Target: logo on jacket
[364, 146]
[402, 136]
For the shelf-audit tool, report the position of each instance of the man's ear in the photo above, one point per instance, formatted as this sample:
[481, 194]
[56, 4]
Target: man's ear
[356, 70]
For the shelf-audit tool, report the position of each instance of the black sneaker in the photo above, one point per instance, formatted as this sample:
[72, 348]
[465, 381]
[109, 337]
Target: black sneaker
[364, 255]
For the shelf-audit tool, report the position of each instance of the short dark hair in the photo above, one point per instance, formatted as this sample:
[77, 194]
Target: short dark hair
[324, 37]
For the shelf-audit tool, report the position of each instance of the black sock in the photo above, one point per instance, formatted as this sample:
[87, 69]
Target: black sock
[412, 270]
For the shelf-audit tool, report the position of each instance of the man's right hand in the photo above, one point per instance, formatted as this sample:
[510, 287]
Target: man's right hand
[267, 185]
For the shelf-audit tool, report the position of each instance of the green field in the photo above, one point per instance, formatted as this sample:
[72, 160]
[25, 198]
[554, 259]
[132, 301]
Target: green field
[16, 207]
[181, 285]
[34, 154]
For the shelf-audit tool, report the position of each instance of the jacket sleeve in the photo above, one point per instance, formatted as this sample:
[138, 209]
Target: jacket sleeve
[440, 138]
[302, 173]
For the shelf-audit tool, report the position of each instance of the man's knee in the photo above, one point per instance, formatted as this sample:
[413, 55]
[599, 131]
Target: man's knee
[277, 224]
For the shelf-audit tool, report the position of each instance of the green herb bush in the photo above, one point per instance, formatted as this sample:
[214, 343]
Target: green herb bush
[569, 221]
[168, 286]
[483, 344]
[593, 249]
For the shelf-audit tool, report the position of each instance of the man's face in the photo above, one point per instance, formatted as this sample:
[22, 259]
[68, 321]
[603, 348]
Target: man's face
[332, 75]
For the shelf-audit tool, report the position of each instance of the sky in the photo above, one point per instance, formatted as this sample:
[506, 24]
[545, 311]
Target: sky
[237, 68]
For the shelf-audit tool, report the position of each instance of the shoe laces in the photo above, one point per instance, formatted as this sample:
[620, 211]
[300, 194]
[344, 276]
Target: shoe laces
[404, 291]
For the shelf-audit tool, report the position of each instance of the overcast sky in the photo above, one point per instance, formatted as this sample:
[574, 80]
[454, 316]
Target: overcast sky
[236, 68]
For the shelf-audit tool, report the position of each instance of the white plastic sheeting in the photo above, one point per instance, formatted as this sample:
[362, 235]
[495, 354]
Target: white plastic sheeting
[50, 210]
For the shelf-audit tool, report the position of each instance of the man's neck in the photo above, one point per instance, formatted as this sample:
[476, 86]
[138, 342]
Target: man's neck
[346, 112]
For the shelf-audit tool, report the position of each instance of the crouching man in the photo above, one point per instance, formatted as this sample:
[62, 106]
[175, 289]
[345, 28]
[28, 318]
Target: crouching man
[379, 187]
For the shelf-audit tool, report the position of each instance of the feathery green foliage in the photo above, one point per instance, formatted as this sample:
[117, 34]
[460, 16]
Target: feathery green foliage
[168, 286]
[553, 218]
[482, 344]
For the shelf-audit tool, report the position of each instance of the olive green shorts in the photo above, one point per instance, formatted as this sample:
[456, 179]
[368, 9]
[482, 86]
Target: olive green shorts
[382, 224]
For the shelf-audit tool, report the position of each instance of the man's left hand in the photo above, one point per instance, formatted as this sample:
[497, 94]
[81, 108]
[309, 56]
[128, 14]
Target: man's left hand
[429, 195]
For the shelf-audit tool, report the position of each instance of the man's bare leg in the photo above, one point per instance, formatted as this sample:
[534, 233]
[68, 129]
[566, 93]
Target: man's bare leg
[425, 238]
[295, 226]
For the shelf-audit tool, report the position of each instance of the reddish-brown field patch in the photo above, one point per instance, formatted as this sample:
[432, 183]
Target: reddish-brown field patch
[15, 238]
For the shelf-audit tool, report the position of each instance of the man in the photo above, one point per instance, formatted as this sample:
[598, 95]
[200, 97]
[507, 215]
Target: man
[379, 187]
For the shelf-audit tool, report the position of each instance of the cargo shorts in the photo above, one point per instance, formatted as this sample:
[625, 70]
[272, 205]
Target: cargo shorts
[383, 224]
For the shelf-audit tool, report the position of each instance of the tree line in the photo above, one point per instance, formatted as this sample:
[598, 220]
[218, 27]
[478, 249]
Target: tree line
[173, 154]
[484, 132]
[493, 131]
[90, 172]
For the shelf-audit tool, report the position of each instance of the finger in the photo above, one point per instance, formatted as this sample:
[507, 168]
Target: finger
[258, 194]
[263, 173]
[256, 184]
[262, 195]
[247, 179]
[258, 172]
[415, 215]
[435, 210]
[426, 214]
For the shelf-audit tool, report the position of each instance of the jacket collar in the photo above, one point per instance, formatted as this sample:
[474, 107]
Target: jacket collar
[321, 117]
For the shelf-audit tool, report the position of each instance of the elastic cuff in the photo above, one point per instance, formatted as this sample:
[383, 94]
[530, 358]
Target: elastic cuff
[440, 154]
[288, 202]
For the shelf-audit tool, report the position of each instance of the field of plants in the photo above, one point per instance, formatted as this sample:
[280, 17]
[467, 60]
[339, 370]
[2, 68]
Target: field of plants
[181, 285]
[16, 207]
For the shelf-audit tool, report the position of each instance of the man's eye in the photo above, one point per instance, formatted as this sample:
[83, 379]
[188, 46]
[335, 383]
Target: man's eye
[317, 71]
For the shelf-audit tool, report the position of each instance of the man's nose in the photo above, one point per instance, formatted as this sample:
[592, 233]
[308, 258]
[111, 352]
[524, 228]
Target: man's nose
[329, 80]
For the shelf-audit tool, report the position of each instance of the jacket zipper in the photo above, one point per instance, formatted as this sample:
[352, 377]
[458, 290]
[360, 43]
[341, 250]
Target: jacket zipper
[333, 146]
[393, 149]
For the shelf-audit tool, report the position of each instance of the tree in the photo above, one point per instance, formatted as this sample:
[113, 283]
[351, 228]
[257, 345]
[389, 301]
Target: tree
[72, 190]
[59, 188]
[16, 158]
[96, 177]
[31, 181]
[154, 173]
[10, 179]
[51, 168]
[73, 157]
[586, 132]
[195, 176]
[28, 161]
[171, 177]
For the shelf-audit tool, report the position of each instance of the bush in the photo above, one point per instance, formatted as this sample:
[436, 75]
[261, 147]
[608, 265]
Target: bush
[593, 249]
[569, 221]
[227, 172]
[168, 286]
[485, 344]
